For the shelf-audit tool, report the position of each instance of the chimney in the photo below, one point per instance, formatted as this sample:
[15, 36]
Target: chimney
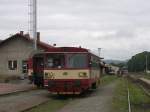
[38, 36]
[21, 32]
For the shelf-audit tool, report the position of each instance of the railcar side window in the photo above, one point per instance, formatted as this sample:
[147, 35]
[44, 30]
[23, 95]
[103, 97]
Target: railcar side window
[95, 63]
[76, 61]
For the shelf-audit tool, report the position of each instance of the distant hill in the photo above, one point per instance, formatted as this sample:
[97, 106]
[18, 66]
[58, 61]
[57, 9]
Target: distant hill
[114, 61]
[118, 63]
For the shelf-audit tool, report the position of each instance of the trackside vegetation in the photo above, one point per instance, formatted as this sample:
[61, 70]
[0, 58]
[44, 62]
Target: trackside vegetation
[140, 102]
[106, 79]
[120, 103]
[51, 106]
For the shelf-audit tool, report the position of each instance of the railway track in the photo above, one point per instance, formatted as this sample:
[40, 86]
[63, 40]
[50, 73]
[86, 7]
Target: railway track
[129, 104]
[21, 101]
[27, 100]
[137, 82]
[141, 81]
[145, 90]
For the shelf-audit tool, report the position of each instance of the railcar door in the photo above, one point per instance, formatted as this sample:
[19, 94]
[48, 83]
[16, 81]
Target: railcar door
[38, 70]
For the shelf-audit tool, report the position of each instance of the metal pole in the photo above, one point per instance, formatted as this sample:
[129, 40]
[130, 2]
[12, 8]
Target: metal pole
[35, 23]
[129, 104]
[99, 51]
[146, 63]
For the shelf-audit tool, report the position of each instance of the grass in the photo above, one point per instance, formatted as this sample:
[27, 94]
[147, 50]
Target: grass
[119, 102]
[51, 106]
[140, 102]
[108, 79]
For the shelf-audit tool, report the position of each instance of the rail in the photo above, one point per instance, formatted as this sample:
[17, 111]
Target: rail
[129, 104]
[146, 92]
[143, 83]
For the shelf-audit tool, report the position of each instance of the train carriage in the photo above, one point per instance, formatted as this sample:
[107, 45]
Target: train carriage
[66, 70]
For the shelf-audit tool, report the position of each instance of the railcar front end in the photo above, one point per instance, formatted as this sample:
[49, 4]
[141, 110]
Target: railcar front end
[67, 73]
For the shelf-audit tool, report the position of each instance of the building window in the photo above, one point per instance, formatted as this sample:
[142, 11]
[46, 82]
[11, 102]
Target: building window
[12, 64]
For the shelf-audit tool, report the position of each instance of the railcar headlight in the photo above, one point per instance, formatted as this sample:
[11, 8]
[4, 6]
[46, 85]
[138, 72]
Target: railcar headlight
[46, 75]
[82, 74]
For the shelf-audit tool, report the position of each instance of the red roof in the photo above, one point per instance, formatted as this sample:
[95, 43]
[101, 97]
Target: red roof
[45, 46]
[67, 49]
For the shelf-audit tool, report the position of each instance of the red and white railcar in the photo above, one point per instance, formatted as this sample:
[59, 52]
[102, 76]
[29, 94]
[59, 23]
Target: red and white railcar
[66, 70]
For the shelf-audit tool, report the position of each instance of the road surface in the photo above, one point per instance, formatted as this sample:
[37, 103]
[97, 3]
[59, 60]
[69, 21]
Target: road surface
[95, 101]
[98, 101]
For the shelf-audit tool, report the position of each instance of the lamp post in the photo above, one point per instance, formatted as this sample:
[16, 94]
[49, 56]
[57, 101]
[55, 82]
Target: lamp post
[146, 63]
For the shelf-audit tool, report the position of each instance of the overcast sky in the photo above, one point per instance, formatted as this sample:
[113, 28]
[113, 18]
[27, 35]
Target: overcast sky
[120, 27]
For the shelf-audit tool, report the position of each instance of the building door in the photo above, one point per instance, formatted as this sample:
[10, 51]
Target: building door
[38, 70]
[24, 68]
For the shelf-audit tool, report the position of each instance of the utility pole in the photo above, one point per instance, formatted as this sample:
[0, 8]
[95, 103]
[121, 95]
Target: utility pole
[99, 51]
[146, 63]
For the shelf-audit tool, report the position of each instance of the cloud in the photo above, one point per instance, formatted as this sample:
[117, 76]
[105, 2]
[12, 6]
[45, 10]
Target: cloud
[119, 34]
[120, 28]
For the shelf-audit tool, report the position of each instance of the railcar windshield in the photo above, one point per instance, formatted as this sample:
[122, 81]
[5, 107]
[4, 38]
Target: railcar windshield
[58, 60]
[55, 61]
[76, 61]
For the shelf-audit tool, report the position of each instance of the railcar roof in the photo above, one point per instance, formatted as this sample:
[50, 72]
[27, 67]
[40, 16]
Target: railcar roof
[67, 49]
[70, 50]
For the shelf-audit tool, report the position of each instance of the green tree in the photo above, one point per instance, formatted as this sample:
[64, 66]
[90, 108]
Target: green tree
[138, 62]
